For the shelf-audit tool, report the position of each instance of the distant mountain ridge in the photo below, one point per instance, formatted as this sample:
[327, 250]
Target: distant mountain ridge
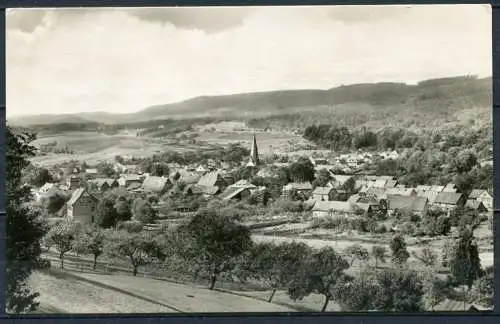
[436, 95]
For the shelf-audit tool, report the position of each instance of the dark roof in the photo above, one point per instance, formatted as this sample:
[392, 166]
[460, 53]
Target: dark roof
[410, 203]
[449, 198]
[77, 194]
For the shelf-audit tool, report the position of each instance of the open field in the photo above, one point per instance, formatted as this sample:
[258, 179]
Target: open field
[69, 295]
[93, 147]
[77, 292]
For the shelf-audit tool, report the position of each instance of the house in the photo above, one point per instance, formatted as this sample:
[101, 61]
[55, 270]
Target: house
[339, 180]
[437, 188]
[235, 192]
[207, 191]
[201, 169]
[157, 185]
[45, 188]
[103, 184]
[127, 179]
[379, 193]
[81, 207]
[482, 196]
[297, 190]
[187, 177]
[91, 173]
[323, 193]
[476, 205]
[411, 204]
[449, 200]
[401, 191]
[73, 182]
[331, 208]
[450, 187]
[430, 195]
[212, 179]
[423, 188]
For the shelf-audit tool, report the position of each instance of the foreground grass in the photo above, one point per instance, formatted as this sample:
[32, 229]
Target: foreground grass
[70, 295]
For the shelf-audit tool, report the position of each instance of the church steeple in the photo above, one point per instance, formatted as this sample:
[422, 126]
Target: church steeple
[254, 153]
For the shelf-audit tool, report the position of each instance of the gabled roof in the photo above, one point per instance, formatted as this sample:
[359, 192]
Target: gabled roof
[327, 206]
[77, 194]
[423, 188]
[101, 181]
[339, 180]
[208, 190]
[155, 184]
[475, 204]
[378, 192]
[380, 183]
[391, 183]
[368, 200]
[131, 177]
[475, 193]
[322, 190]
[353, 199]
[232, 191]
[448, 198]
[134, 185]
[243, 184]
[430, 195]
[209, 179]
[298, 186]
[401, 191]
[437, 188]
[411, 203]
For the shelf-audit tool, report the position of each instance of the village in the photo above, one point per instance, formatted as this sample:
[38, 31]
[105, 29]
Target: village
[213, 180]
[345, 206]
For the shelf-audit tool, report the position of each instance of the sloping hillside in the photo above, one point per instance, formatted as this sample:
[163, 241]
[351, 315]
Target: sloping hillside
[439, 98]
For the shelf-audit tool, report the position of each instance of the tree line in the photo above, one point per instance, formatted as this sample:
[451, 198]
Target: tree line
[214, 247]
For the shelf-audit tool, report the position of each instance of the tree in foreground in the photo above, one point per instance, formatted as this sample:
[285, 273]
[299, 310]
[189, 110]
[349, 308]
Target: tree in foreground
[481, 292]
[465, 265]
[426, 256]
[356, 252]
[435, 290]
[62, 237]
[139, 248]
[24, 227]
[357, 294]
[321, 273]
[214, 243]
[399, 251]
[91, 242]
[276, 265]
[378, 253]
[398, 291]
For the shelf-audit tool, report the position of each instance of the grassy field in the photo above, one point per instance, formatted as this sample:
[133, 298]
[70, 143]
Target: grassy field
[185, 298]
[69, 295]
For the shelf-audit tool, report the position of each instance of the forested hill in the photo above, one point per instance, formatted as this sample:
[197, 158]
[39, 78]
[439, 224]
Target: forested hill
[352, 104]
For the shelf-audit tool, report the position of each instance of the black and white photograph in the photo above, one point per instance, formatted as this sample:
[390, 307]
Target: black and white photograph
[310, 159]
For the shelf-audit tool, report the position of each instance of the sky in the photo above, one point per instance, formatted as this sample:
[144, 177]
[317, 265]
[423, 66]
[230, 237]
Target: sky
[126, 59]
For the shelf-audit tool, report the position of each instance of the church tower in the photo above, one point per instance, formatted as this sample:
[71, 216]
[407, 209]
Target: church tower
[254, 153]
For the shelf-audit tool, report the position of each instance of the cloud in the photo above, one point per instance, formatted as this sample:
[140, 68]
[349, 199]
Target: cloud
[123, 61]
